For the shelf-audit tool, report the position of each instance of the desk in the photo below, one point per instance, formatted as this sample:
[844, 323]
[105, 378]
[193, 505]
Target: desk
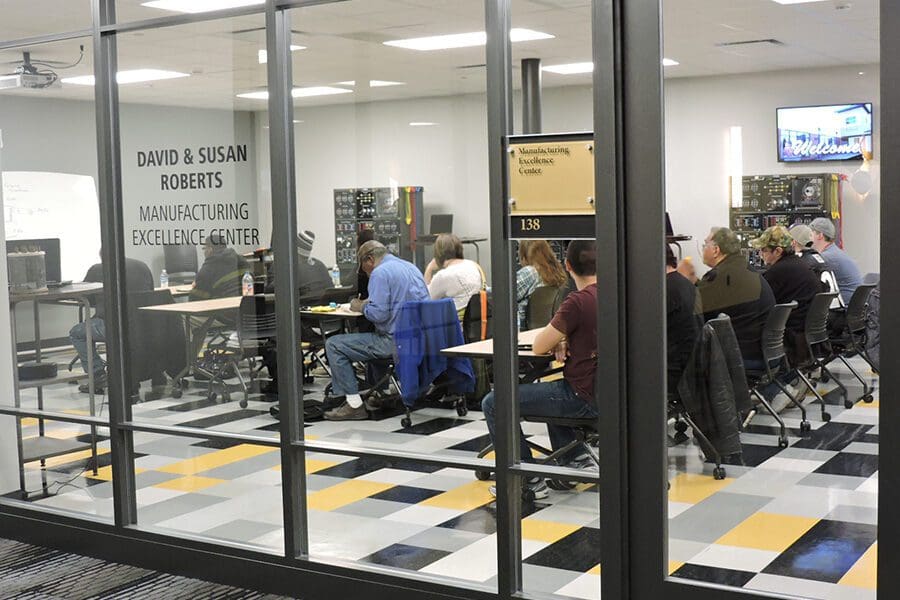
[427, 240]
[177, 290]
[41, 447]
[484, 349]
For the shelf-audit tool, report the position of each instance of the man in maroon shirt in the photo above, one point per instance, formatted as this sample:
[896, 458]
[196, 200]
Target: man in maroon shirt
[572, 337]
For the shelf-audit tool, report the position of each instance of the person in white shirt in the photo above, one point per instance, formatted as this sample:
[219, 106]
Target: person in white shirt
[449, 275]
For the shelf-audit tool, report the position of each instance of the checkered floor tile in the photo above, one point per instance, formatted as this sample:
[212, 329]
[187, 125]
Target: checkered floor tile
[798, 520]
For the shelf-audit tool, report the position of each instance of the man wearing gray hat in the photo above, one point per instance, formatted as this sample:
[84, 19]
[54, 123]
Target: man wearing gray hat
[802, 237]
[845, 270]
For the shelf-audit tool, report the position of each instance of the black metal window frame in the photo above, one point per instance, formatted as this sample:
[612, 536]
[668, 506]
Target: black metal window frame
[629, 171]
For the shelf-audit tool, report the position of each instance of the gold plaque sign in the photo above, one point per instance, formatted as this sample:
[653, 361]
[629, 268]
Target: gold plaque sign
[551, 178]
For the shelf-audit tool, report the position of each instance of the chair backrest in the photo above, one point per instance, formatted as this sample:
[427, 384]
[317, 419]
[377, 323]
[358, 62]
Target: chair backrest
[541, 306]
[156, 340]
[773, 332]
[476, 324]
[256, 318]
[856, 309]
[816, 329]
[181, 259]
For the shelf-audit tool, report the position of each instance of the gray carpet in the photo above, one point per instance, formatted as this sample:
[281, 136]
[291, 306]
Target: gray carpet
[33, 572]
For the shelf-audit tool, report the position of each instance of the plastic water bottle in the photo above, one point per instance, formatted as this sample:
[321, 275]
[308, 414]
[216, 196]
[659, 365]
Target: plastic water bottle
[247, 284]
[163, 279]
[336, 276]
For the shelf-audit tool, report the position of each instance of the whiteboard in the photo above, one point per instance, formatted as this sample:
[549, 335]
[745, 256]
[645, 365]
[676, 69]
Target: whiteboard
[55, 205]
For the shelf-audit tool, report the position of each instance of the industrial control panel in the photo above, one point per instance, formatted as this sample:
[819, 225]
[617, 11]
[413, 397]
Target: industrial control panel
[394, 214]
[768, 200]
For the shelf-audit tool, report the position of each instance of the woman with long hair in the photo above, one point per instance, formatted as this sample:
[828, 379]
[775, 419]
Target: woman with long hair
[450, 275]
[540, 267]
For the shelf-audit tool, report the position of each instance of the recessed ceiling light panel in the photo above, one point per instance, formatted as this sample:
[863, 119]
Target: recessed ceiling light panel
[299, 92]
[198, 6]
[464, 40]
[132, 76]
[263, 56]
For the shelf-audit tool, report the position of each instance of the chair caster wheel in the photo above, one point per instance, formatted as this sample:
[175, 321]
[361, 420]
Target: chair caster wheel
[680, 427]
[826, 417]
[824, 378]
[868, 398]
[275, 412]
[176, 393]
[719, 473]
[782, 443]
[406, 422]
[805, 427]
[848, 403]
[462, 410]
[483, 475]
[309, 379]
[528, 496]
[243, 403]
[212, 396]
[680, 438]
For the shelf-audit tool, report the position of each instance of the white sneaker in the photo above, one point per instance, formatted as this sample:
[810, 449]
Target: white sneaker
[780, 402]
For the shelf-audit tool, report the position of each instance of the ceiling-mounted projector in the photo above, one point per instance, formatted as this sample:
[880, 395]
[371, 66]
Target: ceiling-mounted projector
[34, 81]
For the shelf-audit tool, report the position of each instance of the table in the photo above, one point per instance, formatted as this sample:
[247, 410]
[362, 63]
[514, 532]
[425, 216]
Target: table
[41, 447]
[177, 291]
[484, 349]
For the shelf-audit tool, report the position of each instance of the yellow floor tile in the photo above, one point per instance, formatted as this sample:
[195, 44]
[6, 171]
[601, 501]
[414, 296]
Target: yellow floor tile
[465, 497]
[767, 531]
[29, 422]
[105, 473]
[546, 531]
[873, 404]
[77, 411]
[864, 573]
[64, 434]
[674, 565]
[191, 483]
[692, 488]
[595, 570]
[345, 493]
[312, 465]
[192, 466]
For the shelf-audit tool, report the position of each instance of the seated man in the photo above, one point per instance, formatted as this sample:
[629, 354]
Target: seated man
[845, 270]
[683, 320]
[137, 279]
[790, 279]
[730, 287]
[312, 281]
[392, 282]
[221, 272]
[802, 237]
[572, 337]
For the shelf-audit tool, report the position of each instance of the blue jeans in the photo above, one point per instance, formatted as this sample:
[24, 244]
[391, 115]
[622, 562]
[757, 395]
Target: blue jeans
[770, 390]
[550, 399]
[78, 336]
[345, 349]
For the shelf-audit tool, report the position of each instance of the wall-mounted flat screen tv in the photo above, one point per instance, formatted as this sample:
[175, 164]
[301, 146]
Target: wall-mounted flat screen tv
[823, 133]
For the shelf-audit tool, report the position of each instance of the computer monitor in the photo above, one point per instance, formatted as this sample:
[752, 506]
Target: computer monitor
[669, 231]
[52, 259]
[441, 224]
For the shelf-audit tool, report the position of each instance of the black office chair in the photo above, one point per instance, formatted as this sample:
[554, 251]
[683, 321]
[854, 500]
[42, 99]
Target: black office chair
[819, 348]
[542, 304]
[181, 263]
[852, 341]
[775, 361]
[255, 331]
[587, 436]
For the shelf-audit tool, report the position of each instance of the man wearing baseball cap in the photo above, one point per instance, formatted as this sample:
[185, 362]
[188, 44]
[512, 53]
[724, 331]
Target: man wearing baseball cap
[845, 270]
[790, 279]
[802, 237]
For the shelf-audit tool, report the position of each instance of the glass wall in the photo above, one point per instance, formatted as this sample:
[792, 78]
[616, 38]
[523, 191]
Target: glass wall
[768, 136]
[52, 230]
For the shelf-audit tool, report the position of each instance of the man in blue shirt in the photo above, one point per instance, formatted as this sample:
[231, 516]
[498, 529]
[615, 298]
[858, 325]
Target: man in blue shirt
[844, 268]
[392, 282]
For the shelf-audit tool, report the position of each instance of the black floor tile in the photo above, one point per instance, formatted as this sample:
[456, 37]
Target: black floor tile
[727, 577]
[826, 552]
[833, 436]
[579, 551]
[363, 466]
[405, 557]
[847, 463]
[217, 444]
[192, 405]
[752, 455]
[474, 445]
[406, 494]
[229, 417]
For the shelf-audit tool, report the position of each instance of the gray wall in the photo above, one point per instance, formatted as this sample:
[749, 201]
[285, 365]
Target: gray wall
[43, 134]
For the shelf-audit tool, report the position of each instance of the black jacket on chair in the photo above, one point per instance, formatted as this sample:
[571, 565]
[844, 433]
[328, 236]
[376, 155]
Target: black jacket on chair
[156, 340]
[713, 388]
